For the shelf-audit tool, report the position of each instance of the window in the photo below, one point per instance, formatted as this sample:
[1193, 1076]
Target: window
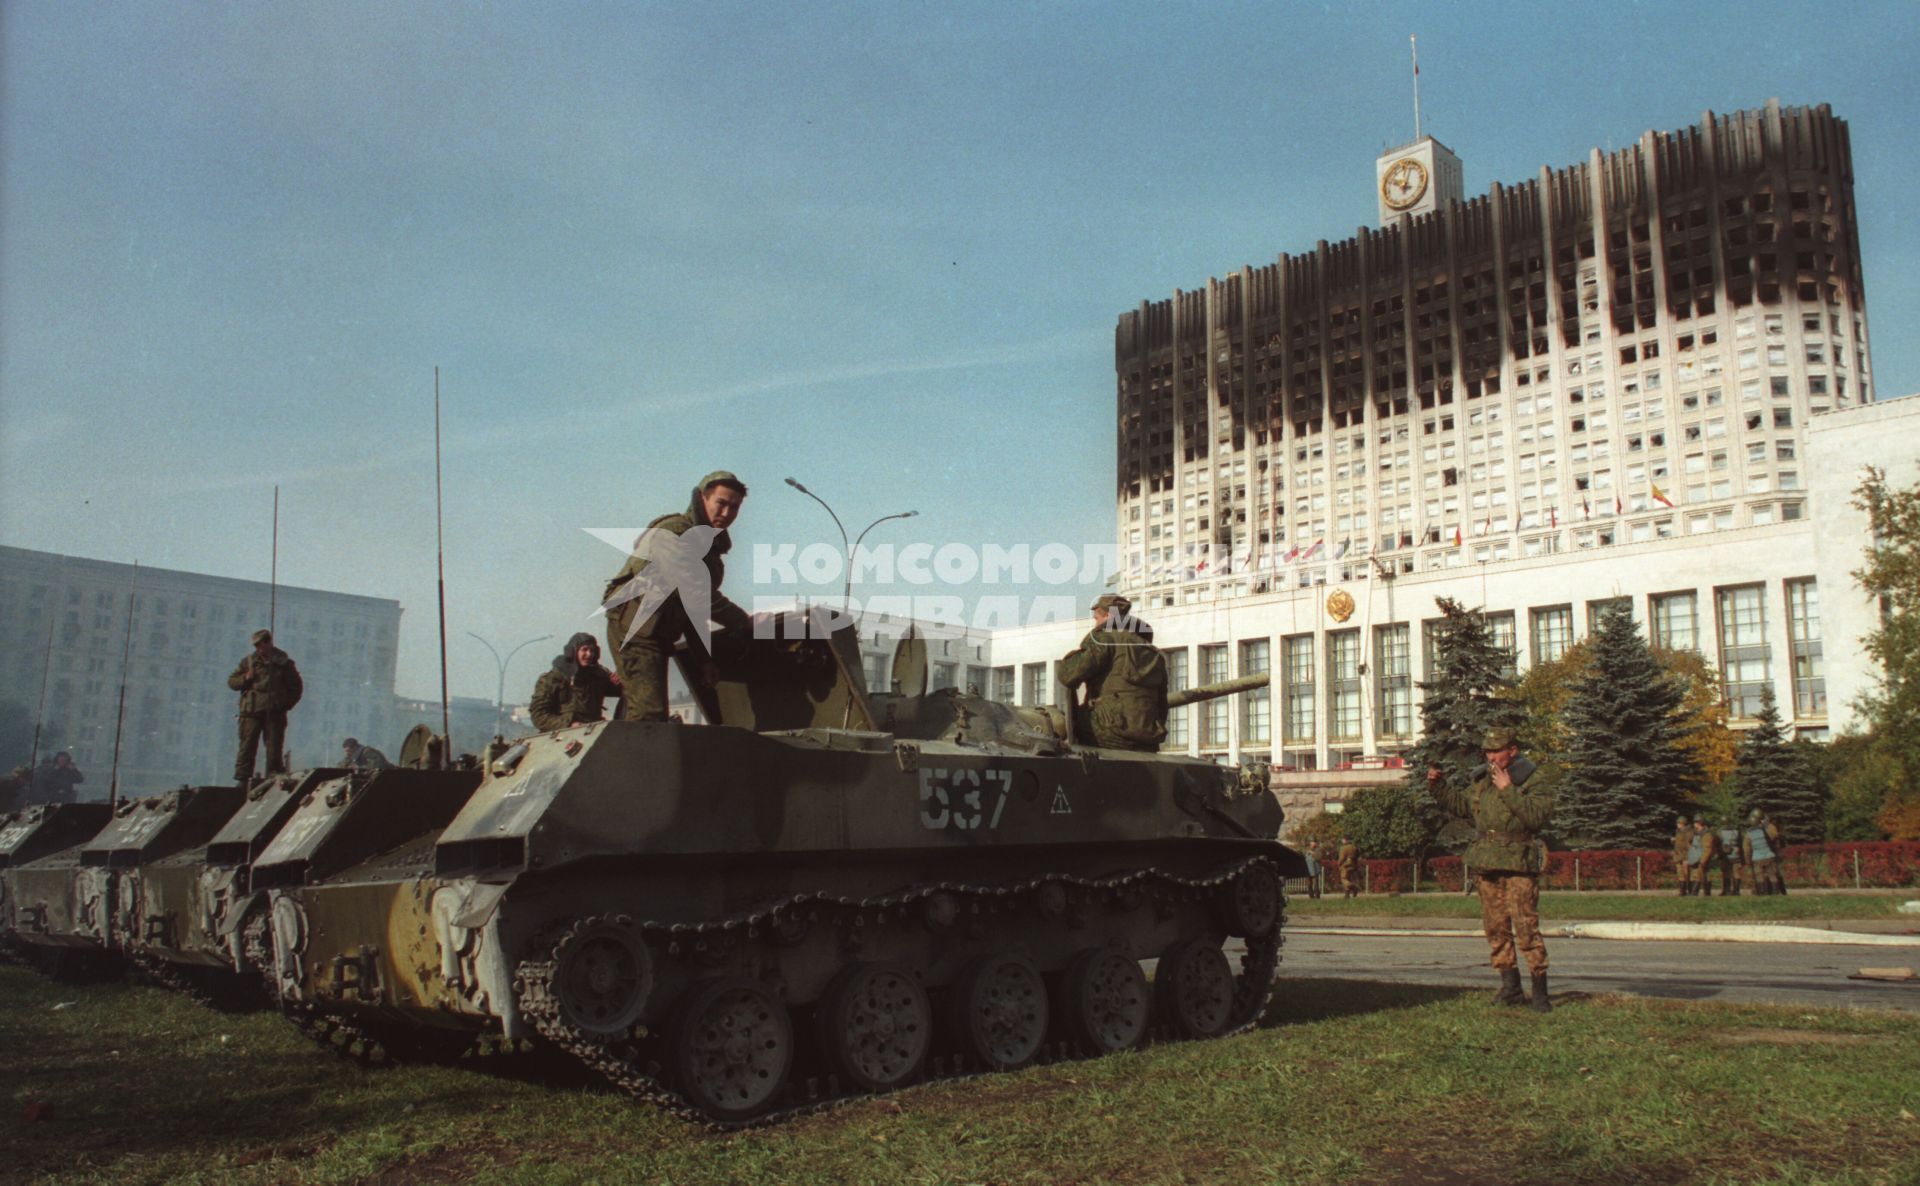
[1343, 685]
[1297, 652]
[1393, 664]
[1256, 707]
[1214, 719]
[944, 675]
[1176, 682]
[1674, 626]
[1803, 636]
[1033, 678]
[1003, 685]
[1552, 632]
[1743, 646]
[1596, 609]
[1506, 636]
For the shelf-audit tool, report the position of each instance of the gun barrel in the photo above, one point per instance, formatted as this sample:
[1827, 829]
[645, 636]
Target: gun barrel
[1245, 683]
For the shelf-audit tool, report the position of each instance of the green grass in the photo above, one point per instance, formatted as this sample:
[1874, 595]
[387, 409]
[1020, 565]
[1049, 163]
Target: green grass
[1600, 906]
[1346, 1082]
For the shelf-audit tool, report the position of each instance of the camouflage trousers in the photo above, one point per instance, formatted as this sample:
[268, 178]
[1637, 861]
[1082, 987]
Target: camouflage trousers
[1510, 915]
[1702, 876]
[1729, 876]
[1763, 877]
[270, 727]
[643, 678]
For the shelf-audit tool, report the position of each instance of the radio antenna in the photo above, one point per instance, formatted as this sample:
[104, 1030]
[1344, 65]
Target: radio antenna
[273, 572]
[40, 716]
[126, 660]
[440, 563]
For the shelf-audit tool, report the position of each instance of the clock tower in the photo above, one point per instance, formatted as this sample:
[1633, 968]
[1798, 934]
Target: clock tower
[1417, 179]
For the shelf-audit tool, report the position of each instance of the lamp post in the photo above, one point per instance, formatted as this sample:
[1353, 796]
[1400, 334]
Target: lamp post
[846, 593]
[500, 695]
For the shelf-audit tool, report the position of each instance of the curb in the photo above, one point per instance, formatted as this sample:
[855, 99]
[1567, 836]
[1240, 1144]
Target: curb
[1696, 932]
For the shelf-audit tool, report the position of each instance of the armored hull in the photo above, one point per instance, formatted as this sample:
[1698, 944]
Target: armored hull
[838, 893]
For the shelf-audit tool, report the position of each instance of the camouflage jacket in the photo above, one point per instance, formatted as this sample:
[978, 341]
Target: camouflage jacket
[669, 623]
[567, 695]
[1126, 680]
[1681, 840]
[1509, 821]
[267, 685]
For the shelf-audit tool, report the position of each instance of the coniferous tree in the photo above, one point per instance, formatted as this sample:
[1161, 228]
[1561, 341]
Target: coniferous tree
[1777, 780]
[1625, 779]
[1465, 698]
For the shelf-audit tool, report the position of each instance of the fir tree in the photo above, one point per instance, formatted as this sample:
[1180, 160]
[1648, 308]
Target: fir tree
[1465, 698]
[1776, 779]
[1625, 778]
[1389, 821]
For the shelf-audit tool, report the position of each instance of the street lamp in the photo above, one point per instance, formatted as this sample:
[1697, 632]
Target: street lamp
[500, 695]
[846, 593]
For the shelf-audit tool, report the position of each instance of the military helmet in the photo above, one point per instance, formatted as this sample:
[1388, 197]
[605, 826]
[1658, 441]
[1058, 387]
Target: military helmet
[1754, 816]
[721, 477]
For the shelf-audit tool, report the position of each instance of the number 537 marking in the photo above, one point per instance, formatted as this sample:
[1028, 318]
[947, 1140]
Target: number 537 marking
[955, 799]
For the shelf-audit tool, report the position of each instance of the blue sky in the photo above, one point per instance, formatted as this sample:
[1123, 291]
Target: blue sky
[879, 247]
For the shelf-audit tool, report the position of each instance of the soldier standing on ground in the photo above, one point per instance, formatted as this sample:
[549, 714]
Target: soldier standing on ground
[1727, 852]
[1700, 847]
[269, 686]
[641, 648]
[574, 689]
[1349, 868]
[1760, 851]
[354, 756]
[1505, 857]
[1125, 678]
[1682, 838]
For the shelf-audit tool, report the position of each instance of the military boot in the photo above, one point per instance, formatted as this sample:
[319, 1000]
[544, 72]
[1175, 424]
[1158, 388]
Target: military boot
[1539, 1000]
[1509, 993]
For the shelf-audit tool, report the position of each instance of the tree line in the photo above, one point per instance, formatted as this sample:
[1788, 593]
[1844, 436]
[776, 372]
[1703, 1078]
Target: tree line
[1631, 736]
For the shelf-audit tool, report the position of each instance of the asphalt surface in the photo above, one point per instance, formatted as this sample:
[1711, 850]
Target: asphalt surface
[1737, 973]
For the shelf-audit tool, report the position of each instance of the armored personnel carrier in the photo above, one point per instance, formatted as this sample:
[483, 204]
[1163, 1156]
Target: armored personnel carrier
[824, 891]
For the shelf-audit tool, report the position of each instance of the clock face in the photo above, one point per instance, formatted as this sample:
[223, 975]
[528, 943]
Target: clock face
[1404, 184]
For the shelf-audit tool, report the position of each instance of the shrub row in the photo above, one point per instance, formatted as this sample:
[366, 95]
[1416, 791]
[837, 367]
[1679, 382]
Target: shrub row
[1882, 864]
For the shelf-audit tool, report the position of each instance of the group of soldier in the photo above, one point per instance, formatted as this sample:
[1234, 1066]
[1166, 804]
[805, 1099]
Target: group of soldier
[1748, 856]
[52, 781]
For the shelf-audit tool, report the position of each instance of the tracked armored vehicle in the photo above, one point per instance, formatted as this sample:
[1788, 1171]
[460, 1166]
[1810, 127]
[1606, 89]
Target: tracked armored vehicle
[823, 892]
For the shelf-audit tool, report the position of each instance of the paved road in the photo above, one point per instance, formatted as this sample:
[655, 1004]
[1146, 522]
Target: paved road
[1740, 973]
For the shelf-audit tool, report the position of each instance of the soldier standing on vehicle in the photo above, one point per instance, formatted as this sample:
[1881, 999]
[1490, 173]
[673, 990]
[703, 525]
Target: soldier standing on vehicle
[1508, 815]
[642, 645]
[1727, 852]
[1700, 848]
[1125, 678]
[1682, 839]
[1760, 850]
[573, 691]
[1349, 868]
[269, 686]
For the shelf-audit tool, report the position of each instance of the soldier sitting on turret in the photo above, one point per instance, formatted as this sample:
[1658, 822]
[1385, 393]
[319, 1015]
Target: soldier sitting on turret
[573, 691]
[1125, 677]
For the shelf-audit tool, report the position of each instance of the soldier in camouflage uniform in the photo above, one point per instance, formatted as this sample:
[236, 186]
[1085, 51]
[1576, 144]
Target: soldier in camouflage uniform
[1125, 677]
[573, 691]
[1349, 868]
[641, 649]
[1682, 837]
[354, 756]
[269, 686]
[1700, 849]
[1727, 853]
[1505, 857]
[1760, 849]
